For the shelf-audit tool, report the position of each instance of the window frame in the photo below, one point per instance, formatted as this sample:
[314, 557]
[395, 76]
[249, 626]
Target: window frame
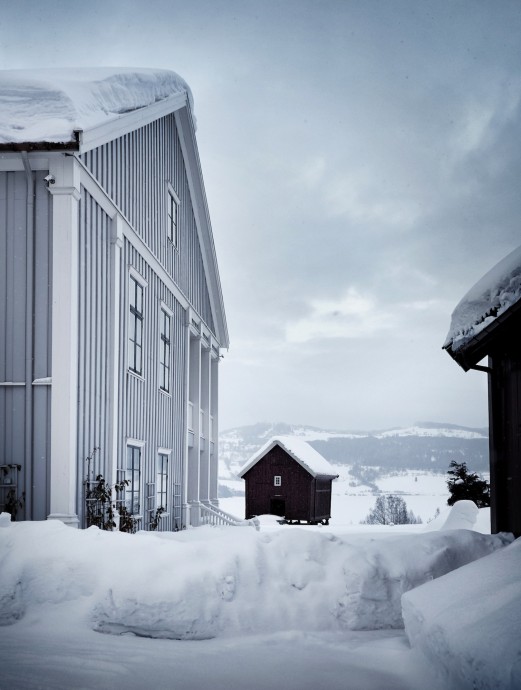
[162, 461]
[134, 486]
[165, 349]
[172, 228]
[277, 480]
[136, 320]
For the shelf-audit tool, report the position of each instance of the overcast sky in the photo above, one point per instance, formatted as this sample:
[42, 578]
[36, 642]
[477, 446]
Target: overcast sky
[362, 165]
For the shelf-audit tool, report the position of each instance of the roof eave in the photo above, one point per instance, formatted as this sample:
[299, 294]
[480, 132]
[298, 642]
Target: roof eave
[124, 123]
[72, 145]
[84, 140]
[266, 449]
[186, 129]
[478, 347]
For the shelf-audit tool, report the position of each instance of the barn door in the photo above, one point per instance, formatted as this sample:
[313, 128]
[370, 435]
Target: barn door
[278, 507]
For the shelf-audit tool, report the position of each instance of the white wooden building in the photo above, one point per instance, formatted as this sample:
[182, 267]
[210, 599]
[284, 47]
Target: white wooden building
[111, 312]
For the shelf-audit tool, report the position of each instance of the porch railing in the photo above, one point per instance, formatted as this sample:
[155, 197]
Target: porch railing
[211, 515]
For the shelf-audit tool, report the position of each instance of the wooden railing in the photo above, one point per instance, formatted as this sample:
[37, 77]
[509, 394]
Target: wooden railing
[211, 515]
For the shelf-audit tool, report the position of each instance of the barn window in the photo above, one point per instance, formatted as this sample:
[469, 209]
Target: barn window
[135, 326]
[164, 352]
[277, 480]
[172, 230]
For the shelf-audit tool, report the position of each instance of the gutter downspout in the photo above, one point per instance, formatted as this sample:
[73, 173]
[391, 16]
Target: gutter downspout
[29, 335]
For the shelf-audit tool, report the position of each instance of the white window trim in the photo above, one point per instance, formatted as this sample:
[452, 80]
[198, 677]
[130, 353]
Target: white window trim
[170, 313]
[133, 273]
[168, 453]
[173, 195]
[137, 443]
[277, 480]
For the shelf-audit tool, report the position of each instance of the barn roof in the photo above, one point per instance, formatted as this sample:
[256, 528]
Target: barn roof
[485, 307]
[299, 450]
[50, 105]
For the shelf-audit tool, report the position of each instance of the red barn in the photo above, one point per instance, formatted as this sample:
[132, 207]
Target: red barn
[288, 477]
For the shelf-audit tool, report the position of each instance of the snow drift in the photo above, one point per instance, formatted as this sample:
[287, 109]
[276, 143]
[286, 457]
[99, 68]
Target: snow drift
[212, 581]
[468, 624]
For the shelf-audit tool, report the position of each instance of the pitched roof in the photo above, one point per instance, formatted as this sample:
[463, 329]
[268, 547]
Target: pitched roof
[50, 105]
[485, 307]
[80, 109]
[299, 450]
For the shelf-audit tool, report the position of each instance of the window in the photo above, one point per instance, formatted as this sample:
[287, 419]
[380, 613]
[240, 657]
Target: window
[164, 352]
[133, 477]
[135, 327]
[162, 482]
[173, 217]
[277, 480]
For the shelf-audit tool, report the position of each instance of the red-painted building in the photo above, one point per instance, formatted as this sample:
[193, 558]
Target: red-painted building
[289, 478]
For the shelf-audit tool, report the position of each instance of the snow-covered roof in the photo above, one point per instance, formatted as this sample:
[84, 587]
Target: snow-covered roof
[299, 450]
[49, 105]
[492, 296]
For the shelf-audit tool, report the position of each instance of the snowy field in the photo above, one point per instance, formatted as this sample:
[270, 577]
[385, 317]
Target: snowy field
[423, 492]
[236, 608]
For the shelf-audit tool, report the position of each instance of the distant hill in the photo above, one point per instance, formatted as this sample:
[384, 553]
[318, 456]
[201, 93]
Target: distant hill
[424, 446]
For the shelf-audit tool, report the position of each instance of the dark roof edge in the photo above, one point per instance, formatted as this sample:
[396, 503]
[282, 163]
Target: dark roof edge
[72, 145]
[473, 352]
[41, 146]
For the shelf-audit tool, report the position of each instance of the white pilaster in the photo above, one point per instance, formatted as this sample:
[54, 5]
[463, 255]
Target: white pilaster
[115, 290]
[185, 518]
[65, 191]
[214, 407]
[204, 455]
[194, 455]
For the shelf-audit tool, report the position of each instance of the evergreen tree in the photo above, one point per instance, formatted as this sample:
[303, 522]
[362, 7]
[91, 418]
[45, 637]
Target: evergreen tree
[391, 510]
[464, 485]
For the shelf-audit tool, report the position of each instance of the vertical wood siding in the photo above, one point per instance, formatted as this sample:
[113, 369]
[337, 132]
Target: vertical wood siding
[147, 413]
[94, 277]
[135, 170]
[25, 408]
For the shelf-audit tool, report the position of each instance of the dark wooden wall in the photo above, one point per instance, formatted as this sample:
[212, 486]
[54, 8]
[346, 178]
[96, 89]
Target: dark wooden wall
[505, 431]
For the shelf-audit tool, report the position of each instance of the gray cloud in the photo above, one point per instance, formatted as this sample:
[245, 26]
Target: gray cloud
[362, 164]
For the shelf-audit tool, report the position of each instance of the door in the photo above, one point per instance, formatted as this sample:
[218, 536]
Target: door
[278, 507]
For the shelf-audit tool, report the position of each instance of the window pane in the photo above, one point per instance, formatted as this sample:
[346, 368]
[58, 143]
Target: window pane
[138, 360]
[132, 292]
[139, 298]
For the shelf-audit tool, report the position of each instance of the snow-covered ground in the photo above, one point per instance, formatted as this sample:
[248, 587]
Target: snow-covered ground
[239, 608]
[468, 623]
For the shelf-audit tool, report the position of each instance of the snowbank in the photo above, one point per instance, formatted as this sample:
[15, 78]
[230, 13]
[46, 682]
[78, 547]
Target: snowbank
[48, 105]
[206, 582]
[462, 515]
[468, 623]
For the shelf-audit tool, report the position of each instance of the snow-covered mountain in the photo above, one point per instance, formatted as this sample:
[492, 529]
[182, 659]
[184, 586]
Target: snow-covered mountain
[423, 446]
